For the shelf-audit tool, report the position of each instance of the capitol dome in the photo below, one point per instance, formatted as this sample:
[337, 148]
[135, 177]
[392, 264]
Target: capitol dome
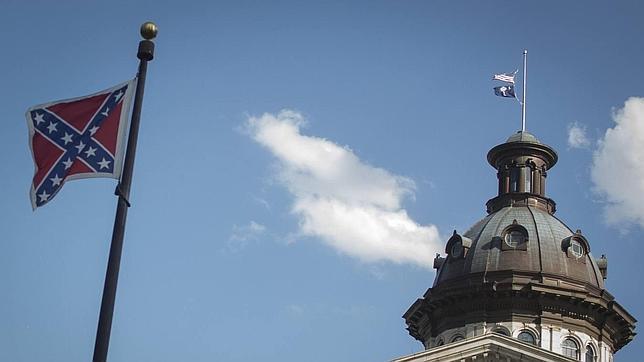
[525, 240]
[522, 273]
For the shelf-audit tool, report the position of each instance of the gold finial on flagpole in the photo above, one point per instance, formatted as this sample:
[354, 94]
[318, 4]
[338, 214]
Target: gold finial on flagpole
[149, 30]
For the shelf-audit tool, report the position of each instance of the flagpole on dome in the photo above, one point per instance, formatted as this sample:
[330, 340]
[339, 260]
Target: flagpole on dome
[525, 70]
[145, 53]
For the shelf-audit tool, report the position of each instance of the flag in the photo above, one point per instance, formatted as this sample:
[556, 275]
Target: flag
[505, 91]
[78, 138]
[505, 77]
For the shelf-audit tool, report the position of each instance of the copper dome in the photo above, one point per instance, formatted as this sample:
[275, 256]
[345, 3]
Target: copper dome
[545, 251]
[520, 264]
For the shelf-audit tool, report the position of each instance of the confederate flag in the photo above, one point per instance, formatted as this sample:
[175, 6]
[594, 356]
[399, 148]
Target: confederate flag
[78, 138]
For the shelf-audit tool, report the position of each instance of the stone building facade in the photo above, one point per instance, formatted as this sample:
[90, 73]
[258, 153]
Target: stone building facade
[519, 285]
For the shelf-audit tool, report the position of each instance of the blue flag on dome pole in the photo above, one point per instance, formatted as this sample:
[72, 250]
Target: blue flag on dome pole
[505, 91]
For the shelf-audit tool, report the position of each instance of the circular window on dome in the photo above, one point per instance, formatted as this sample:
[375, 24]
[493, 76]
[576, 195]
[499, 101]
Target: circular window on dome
[457, 250]
[514, 238]
[576, 249]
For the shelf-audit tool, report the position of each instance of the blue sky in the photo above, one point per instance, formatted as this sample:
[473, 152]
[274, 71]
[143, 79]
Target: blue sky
[228, 254]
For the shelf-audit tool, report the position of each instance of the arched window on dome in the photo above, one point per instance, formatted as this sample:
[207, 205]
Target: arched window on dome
[457, 247]
[527, 337]
[440, 342]
[457, 250]
[527, 174]
[514, 179]
[570, 348]
[590, 354]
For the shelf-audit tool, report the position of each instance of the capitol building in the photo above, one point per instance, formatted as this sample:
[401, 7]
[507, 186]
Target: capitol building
[520, 284]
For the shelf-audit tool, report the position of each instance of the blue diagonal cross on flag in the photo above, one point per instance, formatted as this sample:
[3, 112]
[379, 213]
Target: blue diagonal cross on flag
[77, 138]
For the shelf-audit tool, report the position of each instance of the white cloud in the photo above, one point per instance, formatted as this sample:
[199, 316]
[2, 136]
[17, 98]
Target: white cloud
[618, 165]
[241, 235]
[351, 206]
[577, 136]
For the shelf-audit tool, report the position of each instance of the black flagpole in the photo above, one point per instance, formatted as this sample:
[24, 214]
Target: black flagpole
[145, 54]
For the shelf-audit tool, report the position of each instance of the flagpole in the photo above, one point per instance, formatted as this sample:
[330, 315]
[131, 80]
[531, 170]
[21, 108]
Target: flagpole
[145, 54]
[525, 71]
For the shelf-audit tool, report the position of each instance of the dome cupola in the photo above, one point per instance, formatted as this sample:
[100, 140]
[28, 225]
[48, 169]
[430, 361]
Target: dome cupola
[522, 163]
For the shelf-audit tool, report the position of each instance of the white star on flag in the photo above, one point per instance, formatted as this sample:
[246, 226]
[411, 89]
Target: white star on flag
[68, 163]
[67, 138]
[39, 118]
[44, 196]
[91, 151]
[80, 146]
[56, 180]
[104, 163]
[52, 127]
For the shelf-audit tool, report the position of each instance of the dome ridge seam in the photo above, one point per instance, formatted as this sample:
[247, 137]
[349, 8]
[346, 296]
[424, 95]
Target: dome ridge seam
[536, 230]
